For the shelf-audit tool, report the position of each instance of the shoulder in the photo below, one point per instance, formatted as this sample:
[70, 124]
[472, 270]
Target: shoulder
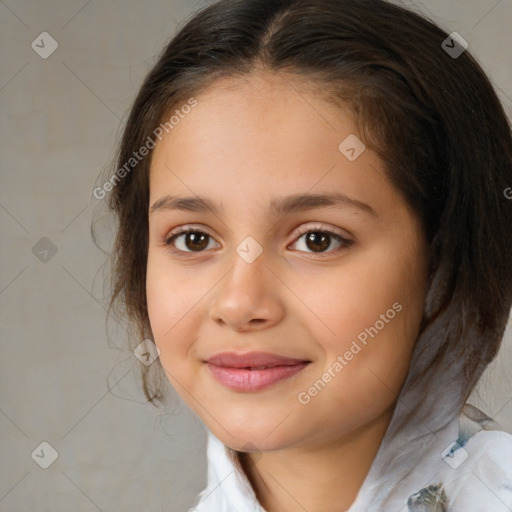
[470, 473]
[482, 478]
[489, 453]
[482, 444]
[493, 444]
[475, 477]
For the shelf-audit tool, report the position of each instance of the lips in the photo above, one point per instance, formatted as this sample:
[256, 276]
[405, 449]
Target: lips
[252, 360]
[253, 371]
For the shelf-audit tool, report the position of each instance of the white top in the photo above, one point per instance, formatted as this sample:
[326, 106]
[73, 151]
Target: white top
[474, 478]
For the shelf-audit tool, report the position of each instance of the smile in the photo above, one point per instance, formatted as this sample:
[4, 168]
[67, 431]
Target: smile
[253, 371]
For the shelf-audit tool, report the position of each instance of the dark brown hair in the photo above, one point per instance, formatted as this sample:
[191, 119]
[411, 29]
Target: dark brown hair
[434, 120]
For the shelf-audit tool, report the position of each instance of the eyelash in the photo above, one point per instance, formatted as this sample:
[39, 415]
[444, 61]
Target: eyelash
[184, 231]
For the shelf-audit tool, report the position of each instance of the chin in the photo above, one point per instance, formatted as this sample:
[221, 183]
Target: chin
[249, 435]
[257, 443]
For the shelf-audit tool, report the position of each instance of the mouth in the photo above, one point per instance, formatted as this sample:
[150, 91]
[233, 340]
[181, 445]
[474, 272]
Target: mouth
[253, 371]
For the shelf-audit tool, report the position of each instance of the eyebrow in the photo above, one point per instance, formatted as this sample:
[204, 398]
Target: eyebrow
[280, 206]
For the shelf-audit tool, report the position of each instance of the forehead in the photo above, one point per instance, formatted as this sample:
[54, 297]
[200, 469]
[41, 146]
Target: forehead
[259, 134]
[262, 110]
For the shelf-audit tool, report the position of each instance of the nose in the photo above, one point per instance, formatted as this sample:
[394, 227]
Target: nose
[249, 297]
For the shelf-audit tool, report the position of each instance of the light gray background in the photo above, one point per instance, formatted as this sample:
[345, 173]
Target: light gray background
[61, 118]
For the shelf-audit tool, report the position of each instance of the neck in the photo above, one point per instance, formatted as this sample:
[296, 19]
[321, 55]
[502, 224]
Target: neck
[315, 477]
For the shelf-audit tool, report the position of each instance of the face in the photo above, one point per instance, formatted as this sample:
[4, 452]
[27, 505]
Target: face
[287, 315]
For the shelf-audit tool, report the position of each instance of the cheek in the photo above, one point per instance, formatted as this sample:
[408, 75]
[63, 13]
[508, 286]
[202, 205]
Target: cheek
[171, 309]
[373, 311]
[378, 290]
[360, 379]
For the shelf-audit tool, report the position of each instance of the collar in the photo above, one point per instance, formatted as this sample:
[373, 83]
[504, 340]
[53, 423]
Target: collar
[228, 489]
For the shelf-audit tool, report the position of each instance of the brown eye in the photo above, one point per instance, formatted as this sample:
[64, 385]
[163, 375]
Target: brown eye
[319, 240]
[189, 241]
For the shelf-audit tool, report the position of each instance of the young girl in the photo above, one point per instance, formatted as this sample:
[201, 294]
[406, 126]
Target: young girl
[314, 209]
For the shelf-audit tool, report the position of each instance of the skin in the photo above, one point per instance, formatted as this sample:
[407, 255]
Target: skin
[250, 140]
